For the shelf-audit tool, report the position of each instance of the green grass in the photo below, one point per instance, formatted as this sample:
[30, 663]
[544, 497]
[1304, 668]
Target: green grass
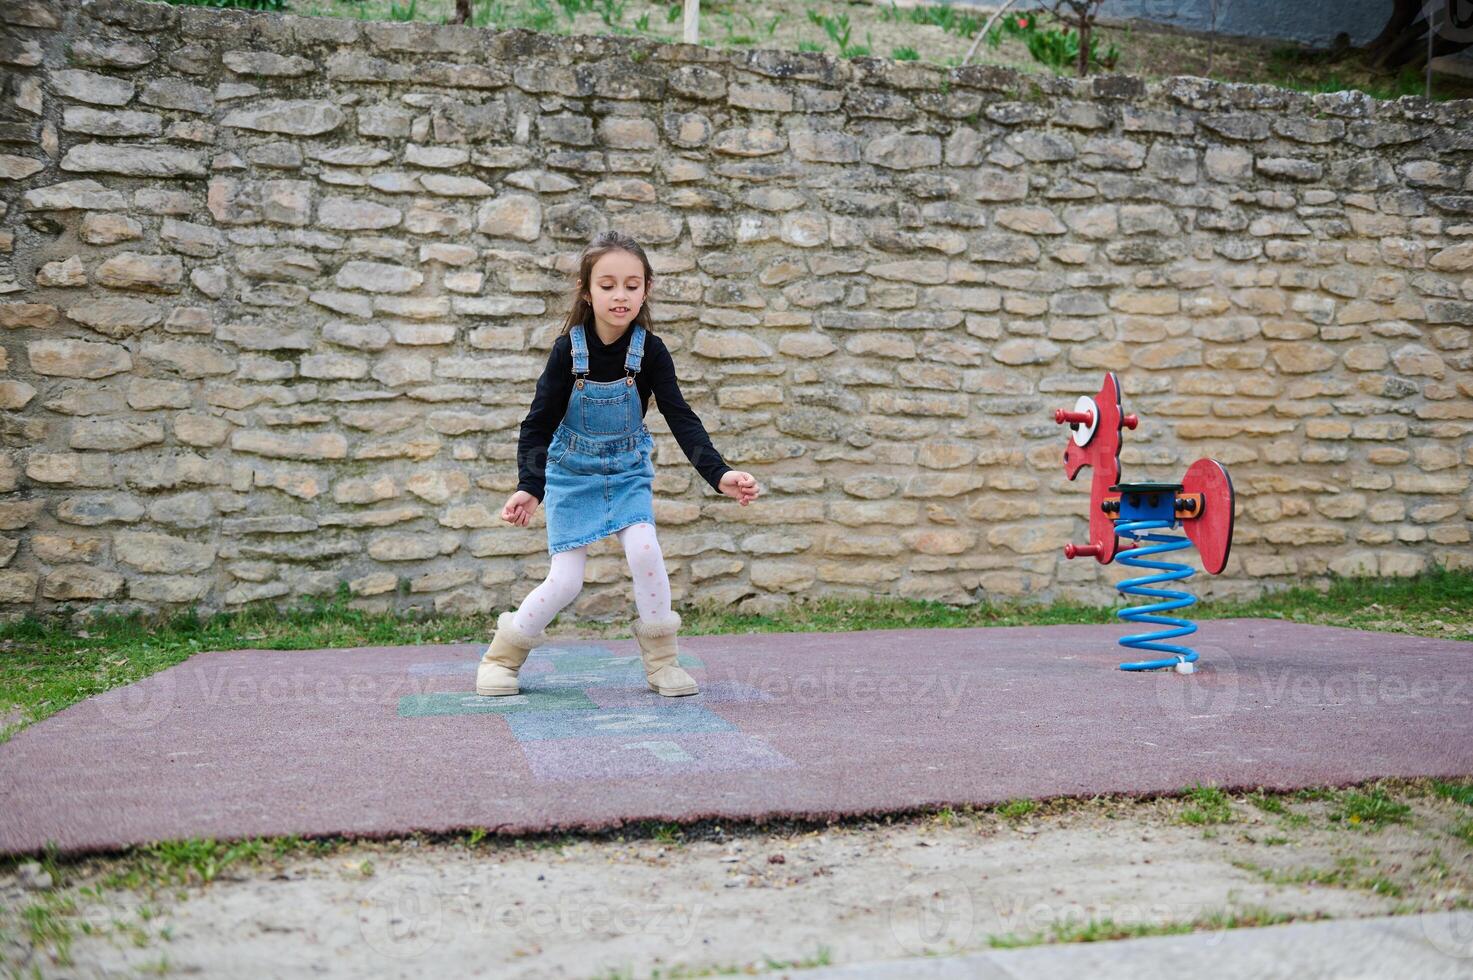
[1206, 805]
[1407, 83]
[1372, 809]
[48, 664]
[949, 817]
[1311, 70]
[1267, 803]
[1437, 602]
[1458, 792]
[945, 16]
[195, 861]
[1345, 874]
[50, 921]
[1315, 794]
[666, 833]
[1106, 930]
[48, 925]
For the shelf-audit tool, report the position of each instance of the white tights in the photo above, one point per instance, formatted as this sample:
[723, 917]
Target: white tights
[565, 580]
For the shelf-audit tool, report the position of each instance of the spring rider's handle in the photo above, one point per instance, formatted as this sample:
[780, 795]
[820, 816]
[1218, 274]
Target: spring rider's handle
[1094, 441]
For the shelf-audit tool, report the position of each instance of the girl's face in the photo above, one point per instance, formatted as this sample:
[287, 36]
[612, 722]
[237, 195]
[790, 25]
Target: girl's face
[616, 290]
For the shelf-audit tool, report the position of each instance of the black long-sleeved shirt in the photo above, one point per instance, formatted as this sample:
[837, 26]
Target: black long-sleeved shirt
[606, 363]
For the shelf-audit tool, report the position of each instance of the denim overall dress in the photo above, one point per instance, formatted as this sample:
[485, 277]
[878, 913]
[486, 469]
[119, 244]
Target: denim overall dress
[600, 462]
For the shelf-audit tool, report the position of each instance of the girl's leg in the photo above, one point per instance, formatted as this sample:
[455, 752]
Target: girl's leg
[564, 582]
[647, 566]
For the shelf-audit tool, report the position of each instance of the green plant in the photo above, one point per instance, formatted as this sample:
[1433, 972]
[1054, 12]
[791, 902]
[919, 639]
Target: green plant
[1054, 48]
[1208, 805]
[904, 54]
[944, 16]
[1343, 875]
[729, 25]
[1073, 930]
[490, 14]
[46, 923]
[611, 12]
[1460, 792]
[1311, 794]
[204, 859]
[1059, 49]
[1268, 804]
[1011, 25]
[838, 30]
[829, 24]
[1375, 808]
[403, 13]
[537, 16]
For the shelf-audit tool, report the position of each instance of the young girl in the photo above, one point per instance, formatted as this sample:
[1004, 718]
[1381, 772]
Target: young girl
[587, 421]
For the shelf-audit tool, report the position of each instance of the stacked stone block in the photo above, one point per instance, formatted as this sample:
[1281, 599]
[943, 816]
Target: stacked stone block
[276, 290]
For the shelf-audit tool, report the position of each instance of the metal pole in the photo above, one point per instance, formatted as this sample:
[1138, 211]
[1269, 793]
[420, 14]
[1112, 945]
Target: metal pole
[692, 21]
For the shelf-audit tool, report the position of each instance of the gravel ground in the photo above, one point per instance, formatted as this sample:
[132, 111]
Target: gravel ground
[723, 899]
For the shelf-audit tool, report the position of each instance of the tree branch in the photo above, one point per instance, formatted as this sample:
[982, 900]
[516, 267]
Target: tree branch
[985, 28]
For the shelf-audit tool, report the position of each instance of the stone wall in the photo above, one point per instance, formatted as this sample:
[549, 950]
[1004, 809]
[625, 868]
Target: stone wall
[277, 290]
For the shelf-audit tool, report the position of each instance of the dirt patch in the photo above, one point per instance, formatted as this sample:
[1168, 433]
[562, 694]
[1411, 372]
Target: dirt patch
[940, 36]
[742, 898]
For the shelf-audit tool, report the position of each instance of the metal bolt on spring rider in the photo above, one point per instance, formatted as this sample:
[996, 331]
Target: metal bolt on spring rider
[1202, 503]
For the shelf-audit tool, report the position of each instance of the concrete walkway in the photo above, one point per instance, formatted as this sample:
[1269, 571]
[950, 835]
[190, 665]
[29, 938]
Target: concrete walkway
[1437, 946]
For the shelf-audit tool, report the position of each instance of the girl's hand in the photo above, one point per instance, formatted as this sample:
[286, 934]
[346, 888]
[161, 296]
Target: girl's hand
[740, 486]
[519, 508]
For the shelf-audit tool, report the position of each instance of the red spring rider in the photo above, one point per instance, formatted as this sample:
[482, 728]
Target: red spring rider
[1202, 503]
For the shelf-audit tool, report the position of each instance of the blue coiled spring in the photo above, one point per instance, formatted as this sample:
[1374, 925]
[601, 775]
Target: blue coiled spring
[1136, 586]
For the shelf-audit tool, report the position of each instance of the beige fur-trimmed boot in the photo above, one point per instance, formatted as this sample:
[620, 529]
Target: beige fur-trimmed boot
[657, 648]
[497, 674]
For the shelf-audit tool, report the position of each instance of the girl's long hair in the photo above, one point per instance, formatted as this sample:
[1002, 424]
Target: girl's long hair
[581, 310]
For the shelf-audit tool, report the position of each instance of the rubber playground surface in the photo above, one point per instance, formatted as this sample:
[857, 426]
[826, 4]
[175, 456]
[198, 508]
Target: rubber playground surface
[384, 741]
